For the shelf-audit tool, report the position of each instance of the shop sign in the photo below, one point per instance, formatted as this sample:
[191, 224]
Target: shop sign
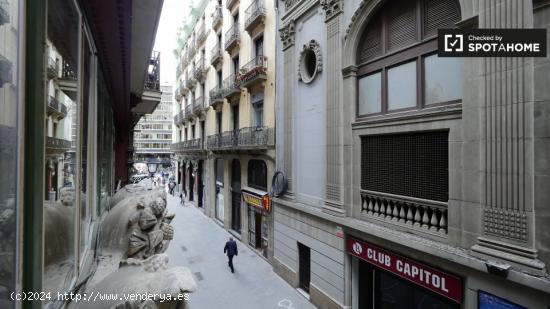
[425, 276]
[261, 202]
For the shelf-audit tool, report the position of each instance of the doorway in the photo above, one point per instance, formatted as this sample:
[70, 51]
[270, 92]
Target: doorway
[236, 196]
[258, 228]
[200, 189]
[191, 182]
[304, 256]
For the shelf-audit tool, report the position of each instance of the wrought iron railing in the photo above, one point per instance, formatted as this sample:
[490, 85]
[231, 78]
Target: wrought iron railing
[57, 143]
[200, 69]
[214, 141]
[217, 17]
[53, 68]
[201, 34]
[179, 117]
[232, 35]
[189, 145]
[67, 71]
[254, 137]
[188, 109]
[255, 68]
[410, 212]
[216, 54]
[191, 49]
[254, 11]
[216, 95]
[57, 106]
[198, 104]
[152, 81]
[231, 85]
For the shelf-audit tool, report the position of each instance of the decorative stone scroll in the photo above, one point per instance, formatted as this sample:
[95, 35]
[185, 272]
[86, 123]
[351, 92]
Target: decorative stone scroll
[332, 7]
[287, 33]
[311, 49]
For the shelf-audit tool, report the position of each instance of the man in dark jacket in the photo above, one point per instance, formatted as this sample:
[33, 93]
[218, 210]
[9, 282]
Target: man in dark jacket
[231, 250]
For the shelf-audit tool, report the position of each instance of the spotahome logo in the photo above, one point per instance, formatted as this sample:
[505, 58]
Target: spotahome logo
[492, 43]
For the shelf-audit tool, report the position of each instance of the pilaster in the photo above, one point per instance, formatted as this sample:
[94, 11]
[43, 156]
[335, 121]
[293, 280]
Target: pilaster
[335, 165]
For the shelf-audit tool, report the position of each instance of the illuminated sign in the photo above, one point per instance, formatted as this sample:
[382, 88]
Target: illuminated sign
[258, 201]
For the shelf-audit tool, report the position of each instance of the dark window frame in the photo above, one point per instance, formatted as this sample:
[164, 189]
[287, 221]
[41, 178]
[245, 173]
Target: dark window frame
[424, 45]
[253, 180]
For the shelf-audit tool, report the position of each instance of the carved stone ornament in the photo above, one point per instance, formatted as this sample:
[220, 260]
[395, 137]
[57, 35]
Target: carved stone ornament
[287, 34]
[290, 3]
[311, 52]
[332, 7]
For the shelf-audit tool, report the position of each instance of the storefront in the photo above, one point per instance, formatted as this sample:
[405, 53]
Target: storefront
[219, 189]
[382, 279]
[259, 208]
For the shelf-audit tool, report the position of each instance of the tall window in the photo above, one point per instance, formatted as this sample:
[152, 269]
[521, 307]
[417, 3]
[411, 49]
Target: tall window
[257, 174]
[219, 122]
[236, 65]
[259, 46]
[399, 69]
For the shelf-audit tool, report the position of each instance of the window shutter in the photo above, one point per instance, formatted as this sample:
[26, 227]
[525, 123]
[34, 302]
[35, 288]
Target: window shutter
[440, 14]
[371, 42]
[402, 25]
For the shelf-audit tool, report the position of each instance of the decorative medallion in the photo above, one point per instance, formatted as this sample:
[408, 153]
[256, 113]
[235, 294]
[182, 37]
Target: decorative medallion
[310, 63]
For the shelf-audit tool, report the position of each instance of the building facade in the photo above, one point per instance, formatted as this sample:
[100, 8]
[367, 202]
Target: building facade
[413, 181]
[225, 121]
[70, 94]
[153, 133]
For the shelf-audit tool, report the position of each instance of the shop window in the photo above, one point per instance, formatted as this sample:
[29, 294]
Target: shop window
[398, 67]
[410, 164]
[257, 174]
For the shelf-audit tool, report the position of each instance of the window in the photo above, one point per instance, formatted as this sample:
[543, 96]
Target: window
[258, 119]
[410, 164]
[259, 46]
[219, 122]
[398, 67]
[257, 174]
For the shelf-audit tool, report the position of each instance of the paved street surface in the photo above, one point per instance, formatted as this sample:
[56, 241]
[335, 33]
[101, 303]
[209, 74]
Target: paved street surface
[198, 244]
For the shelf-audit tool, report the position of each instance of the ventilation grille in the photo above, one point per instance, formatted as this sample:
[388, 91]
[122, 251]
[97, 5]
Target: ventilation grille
[412, 164]
[440, 14]
[371, 42]
[402, 25]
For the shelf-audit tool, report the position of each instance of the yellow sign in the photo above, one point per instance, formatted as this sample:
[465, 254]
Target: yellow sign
[261, 202]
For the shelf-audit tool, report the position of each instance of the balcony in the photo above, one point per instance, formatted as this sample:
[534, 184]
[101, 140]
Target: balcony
[231, 87]
[4, 12]
[256, 138]
[188, 114]
[230, 3]
[178, 119]
[254, 72]
[225, 141]
[184, 86]
[191, 81]
[407, 212]
[152, 80]
[57, 145]
[201, 34]
[53, 68]
[217, 18]
[200, 70]
[216, 97]
[255, 16]
[56, 108]
[178, 94]
[192, 49]
[68, 81]
[190, 146]
[198, 106]
[232, 37]
[216, 56]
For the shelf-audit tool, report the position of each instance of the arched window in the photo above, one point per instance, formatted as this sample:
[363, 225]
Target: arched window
[257, 174]
[398, 67]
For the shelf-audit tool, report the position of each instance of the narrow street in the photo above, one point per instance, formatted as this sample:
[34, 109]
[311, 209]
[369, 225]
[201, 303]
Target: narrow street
[198, 244]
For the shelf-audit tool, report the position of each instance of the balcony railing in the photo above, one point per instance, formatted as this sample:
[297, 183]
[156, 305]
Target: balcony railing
[201, 34]
[56, 107]
[412, 213]
[4, 12]
[229, 3]
[152, 80]
[216, 96]
[255, 15]
[190, 145]
[188, 109]
[232, 37]
[191, 50]
[178, 119]
[68, 72]
[57, 143]
[178, 94]
[200, 70]
[231, 86]
[53, 68]
[256, 137]
[214, 142]
[216, 55]
[217, 17]
[198, 105]
[191, 80]
[253, 71]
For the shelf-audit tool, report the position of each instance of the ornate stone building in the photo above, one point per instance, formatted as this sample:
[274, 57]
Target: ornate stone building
[411, 178]
[225, 119]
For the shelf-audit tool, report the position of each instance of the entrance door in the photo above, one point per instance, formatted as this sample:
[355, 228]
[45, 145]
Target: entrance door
[236, 196]
[258, 228]
[191, 182]
[200, 185]
[304, 254]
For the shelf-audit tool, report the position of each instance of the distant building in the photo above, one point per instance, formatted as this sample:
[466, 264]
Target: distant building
[153, 132]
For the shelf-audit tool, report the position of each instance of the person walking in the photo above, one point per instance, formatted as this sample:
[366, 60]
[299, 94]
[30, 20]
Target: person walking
[171, 186]
[231, 250]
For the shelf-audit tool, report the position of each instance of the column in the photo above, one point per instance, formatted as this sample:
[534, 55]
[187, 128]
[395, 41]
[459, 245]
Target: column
[335, 165]
[287, 33]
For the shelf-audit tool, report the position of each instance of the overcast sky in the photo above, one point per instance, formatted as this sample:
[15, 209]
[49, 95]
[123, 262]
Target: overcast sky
[173, 14]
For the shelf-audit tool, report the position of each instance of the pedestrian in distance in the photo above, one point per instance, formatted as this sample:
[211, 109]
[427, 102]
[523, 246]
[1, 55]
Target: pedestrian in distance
[182, 197]
[171, 186]
[231, 250]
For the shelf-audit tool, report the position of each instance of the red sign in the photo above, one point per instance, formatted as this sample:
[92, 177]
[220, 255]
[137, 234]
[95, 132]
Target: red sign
[427, 277]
